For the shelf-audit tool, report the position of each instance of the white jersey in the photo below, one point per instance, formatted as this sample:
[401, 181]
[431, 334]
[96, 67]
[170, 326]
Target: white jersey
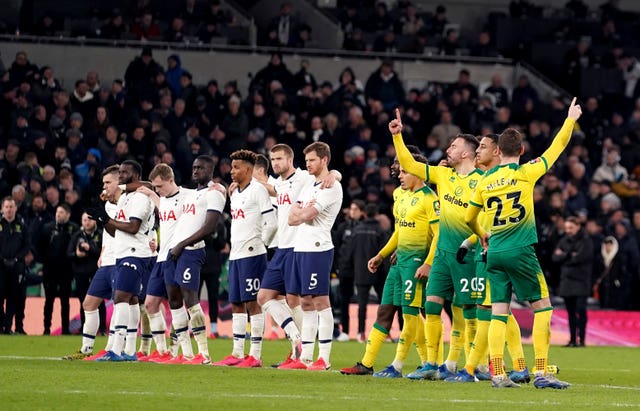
[134, 206]
[108, 254]
[287, 193]
[195, 206]
[247, 209]
[315, 235]
[169, 211]
[274, 202]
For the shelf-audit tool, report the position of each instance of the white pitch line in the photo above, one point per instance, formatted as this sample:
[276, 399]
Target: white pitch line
[318, 397]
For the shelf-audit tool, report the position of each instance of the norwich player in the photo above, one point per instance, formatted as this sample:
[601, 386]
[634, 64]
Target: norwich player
[487, 157]
[455, 186]
[391, 295]
[416, 235]
[506, 193]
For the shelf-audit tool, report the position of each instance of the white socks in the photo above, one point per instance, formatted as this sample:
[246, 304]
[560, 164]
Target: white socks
[145, 331]
[325, 334]
[132, 330]
[181, 325]
[120, 319]
[282, 315]
[158, 326]
[309, 331]
[257, 330]
[89, 330]
[239, 329]
[297, 314]
[199, 329]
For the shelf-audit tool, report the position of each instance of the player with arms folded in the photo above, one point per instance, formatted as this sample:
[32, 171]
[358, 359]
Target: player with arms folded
[314, 213]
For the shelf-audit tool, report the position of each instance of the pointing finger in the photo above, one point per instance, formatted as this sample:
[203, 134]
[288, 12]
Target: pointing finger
[573, 102]
[398, 117]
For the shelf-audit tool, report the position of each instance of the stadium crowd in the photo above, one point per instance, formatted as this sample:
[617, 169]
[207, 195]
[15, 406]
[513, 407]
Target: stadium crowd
[55, 141]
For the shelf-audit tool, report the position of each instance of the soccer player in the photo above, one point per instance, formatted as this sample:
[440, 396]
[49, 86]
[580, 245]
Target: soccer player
[506, 194]
[169, 202]
[314, 213]
[279, 278]
[447, 278]
[131, 225]
[415, 237]
[253, 224]
[201, 209]
[391, 295]
[100, 286]
[487, 157]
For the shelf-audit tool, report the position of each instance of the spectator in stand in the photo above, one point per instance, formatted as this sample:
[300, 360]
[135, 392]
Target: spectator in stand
[445, 129]
[522, 92]
[437, 23]
[450, 45]
[274, 70]
[410, 22]
[145, 28]
[612, 288]
[355, 42]
[216, 15]
[385, 42]
[483, 46]
[574, 253]
[385, 85]
[21, 69]
[284, 25]
[114, 29]
[192, 14]
[176, 32]
[174, 73]
[610, 169]
[380, 21]
[574, 62]
[139, 75]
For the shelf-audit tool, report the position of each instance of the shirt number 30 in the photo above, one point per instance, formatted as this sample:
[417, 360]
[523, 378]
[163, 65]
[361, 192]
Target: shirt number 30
[515, 205]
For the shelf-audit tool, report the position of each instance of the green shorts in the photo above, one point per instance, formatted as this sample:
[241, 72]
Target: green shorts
[516, 270]
[448, 277]
[391, 293]
[412, 290]
[480, 287]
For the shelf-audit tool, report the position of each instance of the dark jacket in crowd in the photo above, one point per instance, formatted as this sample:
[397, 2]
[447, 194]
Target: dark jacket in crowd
[365, 242]
[54, 240]
[89, 263]
[15, 241]
[576, 262]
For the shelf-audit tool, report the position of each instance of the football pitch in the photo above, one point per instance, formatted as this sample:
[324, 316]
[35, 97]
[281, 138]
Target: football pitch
[33, 377]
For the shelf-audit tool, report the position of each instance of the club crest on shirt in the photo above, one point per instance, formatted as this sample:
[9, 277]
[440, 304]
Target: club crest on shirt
[473, 183]
[436, 207]
[414, 201]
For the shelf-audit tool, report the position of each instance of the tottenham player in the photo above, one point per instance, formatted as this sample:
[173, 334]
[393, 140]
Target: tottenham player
[100, 287]
[168, 201]
[131, 226]
[201, 209]
[279, 277]
[253, 225]
[314, 213]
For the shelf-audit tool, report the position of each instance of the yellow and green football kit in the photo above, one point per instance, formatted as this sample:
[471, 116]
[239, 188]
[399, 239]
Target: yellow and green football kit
[506, 194]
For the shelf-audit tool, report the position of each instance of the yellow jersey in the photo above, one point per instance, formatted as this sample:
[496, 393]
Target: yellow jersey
[506, 195]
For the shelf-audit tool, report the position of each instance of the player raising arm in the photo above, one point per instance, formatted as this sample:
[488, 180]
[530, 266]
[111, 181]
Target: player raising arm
[506, 194]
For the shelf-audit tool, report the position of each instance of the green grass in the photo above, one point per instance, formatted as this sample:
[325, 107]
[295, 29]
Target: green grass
[32, 377]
